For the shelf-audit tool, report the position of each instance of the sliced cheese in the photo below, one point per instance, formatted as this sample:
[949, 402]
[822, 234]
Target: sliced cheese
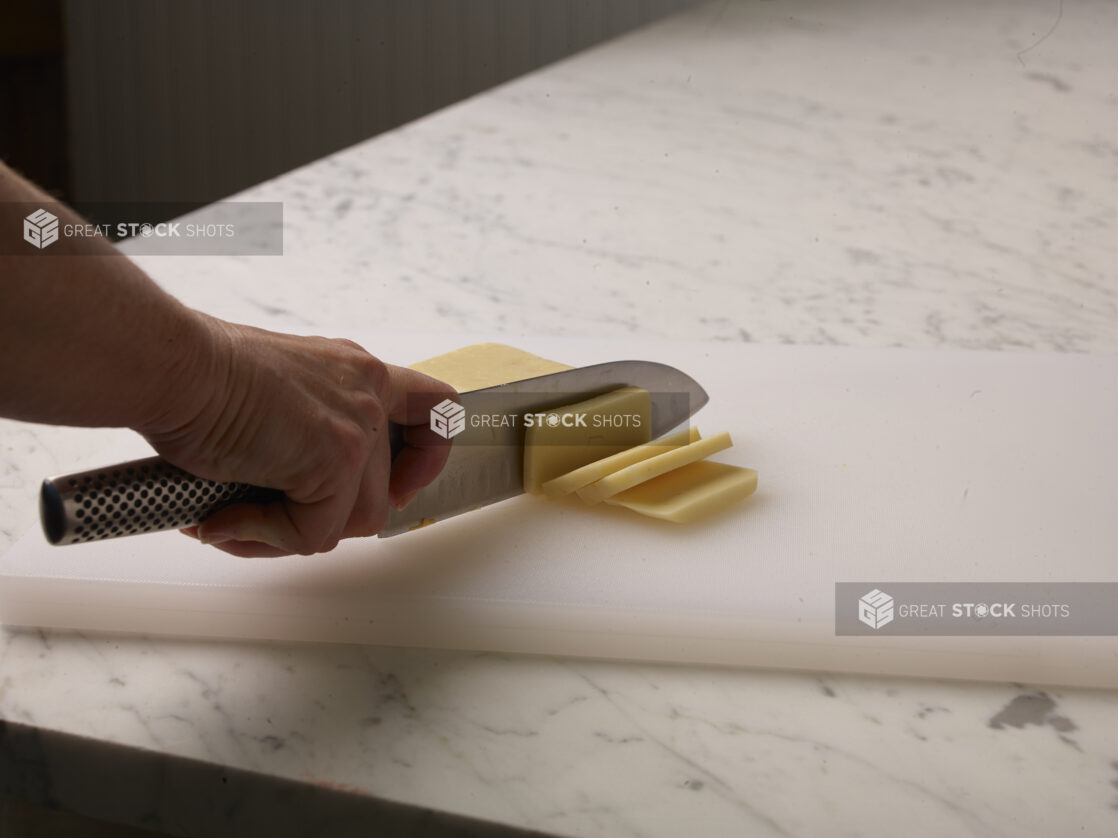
[486, 365]
[562, 439]
[652, 467]
[691, 492]
[574, 480]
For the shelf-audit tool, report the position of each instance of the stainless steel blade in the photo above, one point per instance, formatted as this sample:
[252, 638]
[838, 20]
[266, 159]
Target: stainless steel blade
[486, 464]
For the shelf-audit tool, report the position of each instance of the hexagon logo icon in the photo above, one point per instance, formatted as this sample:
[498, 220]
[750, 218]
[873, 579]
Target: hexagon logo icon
[875, 609]
[40, 229]
[448, 419]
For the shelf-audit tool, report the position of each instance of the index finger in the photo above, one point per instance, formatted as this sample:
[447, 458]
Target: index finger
[412, 397]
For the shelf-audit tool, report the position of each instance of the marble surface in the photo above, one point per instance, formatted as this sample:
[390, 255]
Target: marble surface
[866, 173]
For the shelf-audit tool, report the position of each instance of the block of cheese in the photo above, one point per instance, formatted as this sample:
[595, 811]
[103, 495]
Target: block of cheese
[548, 451]
[486, 365]
[574, 480]
[691, 492]
[562, 439]
[652, 467]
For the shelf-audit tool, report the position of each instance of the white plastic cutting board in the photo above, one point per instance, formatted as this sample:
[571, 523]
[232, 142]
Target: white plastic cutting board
[874, 465]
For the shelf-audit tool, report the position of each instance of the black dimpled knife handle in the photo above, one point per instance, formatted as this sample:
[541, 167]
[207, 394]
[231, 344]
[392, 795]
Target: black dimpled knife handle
[134, 497]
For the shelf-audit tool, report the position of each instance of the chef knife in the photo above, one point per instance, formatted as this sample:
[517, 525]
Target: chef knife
[485, 464]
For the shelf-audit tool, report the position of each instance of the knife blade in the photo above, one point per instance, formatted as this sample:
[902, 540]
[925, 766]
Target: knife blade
[484, 465]
[486, 462]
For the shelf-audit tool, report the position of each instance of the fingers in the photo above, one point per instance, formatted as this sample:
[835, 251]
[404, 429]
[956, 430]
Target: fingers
[370, 509]
[412, 395]
[340, 488]
[242, 549]
[425, 454]
[275, 529]
[414, 468]
[268, 526]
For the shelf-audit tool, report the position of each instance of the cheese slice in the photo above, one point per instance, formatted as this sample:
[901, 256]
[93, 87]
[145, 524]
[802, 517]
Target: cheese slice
[645, 470]
[562, 439]
[574, 480]
[486, 365]
[691, 492]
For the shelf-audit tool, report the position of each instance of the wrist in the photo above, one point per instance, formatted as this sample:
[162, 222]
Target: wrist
[188, 375]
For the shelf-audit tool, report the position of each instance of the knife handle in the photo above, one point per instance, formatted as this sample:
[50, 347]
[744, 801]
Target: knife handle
[135, 497]
[142, 496]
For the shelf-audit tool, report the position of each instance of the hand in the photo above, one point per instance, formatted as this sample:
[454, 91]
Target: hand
[308, 416]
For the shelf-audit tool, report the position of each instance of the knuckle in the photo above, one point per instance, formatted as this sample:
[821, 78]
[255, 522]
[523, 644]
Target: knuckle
[303, 542]
[352, 448]
[348, 344]
[364, 372]
[310, 535]
[368, 522]
[308, 542]
[373, 371]
[370, 409]
[320, 345]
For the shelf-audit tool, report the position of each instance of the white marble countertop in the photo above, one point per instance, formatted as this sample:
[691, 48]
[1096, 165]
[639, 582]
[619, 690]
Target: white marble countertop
[868, 173]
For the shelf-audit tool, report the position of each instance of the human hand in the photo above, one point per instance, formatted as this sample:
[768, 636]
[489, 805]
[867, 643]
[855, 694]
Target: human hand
[307, 416]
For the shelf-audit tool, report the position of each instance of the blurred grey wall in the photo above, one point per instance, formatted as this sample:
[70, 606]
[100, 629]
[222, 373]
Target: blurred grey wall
[192, 101]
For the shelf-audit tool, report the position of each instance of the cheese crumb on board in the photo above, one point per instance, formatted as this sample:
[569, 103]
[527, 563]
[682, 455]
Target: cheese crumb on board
[566, 438]
[690, 492]
[574, 480]
[652, 467]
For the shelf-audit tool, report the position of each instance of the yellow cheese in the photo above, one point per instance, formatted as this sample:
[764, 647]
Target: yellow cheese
[568, 464]
[486, 365]
[645, 470]
[548, 451]
[562, 439]
[573, 480]
[691, 492]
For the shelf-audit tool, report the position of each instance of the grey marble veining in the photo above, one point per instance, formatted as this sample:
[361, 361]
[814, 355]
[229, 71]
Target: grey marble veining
[860, 174]
[868, 173]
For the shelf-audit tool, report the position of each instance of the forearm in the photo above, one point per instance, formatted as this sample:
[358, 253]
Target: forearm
[86, 338]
